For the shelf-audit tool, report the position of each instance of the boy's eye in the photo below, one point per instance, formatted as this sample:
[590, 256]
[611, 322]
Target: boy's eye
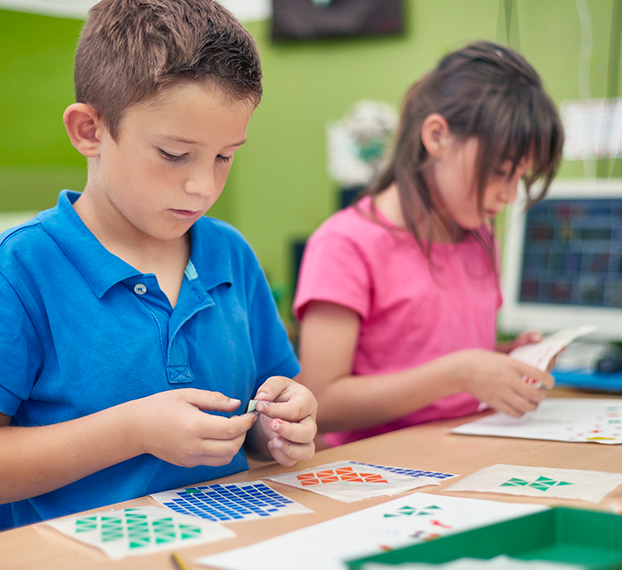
[171, 157]
[221, 158]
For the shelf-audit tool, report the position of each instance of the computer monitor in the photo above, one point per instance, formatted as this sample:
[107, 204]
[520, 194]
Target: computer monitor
[562, 260]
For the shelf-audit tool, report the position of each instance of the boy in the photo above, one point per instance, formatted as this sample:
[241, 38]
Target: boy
[136, 329]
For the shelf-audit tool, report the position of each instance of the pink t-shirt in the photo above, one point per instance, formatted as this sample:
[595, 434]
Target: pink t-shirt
[411, 313]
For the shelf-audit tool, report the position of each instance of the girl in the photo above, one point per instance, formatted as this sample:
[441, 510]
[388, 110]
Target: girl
[398, 294]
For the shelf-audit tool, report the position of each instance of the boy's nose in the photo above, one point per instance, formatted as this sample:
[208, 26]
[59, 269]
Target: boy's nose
[201, 183]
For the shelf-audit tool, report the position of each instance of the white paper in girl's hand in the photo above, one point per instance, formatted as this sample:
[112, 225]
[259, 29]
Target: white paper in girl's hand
[540, 354]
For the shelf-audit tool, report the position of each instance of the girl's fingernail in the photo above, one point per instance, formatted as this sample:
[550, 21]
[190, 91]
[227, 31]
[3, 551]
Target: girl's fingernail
[260, 395]
[277, 442]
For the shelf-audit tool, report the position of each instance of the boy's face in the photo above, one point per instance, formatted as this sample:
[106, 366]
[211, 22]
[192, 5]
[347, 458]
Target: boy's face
[169, 163]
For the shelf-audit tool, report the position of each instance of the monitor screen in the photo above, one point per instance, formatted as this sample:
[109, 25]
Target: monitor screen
[562, 260]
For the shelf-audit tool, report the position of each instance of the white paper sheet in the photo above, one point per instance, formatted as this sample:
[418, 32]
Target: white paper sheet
[400, 522]
[559, 419]
[350, 481]
[540, 482]
[144, 530]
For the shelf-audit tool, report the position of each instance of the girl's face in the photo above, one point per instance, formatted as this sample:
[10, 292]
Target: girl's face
[454, 180]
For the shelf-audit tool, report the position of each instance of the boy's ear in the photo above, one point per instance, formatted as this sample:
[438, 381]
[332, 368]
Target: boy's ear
[435, 134]
[84, 127]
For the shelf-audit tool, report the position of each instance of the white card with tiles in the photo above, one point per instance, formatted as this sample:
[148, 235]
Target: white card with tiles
[230, 502]
[142, 530]
[541, 482]
[350, 481]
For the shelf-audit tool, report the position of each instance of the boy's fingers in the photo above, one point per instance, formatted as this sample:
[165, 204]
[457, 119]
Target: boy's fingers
[288, 453]
[223, 428]
[272, 388]
[299, 432]
[291, 411]
[212, 401]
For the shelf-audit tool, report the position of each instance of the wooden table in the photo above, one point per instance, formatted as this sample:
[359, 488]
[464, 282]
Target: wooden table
[426, 447]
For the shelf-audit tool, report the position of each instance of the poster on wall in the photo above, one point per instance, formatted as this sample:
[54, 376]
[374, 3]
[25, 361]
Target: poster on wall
[314, 19]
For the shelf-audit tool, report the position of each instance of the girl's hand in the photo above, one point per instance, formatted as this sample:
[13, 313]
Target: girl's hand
[287, 412]
[499, 381]
[526, 337]
[173, 426]
[529, 337]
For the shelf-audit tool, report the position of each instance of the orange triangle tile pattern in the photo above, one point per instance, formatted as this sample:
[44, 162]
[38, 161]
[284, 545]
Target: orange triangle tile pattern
[337, 475]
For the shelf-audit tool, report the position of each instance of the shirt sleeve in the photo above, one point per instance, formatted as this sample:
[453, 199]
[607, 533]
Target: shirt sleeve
[20, 354]
[333, 269]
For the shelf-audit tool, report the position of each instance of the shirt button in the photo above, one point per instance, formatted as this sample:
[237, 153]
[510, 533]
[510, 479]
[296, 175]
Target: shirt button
[140, 289]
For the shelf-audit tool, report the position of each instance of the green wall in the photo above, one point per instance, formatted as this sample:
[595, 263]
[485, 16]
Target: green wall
[36, 157]
[278, 189]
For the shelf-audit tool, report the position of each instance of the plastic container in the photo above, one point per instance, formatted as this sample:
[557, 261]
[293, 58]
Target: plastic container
[589, 539]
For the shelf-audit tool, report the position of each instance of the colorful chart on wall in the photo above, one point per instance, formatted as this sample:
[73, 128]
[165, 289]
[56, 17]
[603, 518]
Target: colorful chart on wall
[228, 503]
[142, 530]
[350, 481]
[540, 482]
[558, 419]
[400, 522]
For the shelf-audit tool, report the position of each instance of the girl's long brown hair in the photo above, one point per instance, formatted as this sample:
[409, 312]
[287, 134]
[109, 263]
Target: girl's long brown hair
[485, 91]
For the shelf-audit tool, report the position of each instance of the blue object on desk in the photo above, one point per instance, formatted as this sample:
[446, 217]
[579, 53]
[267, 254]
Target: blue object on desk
[6, 517]
[589, 380]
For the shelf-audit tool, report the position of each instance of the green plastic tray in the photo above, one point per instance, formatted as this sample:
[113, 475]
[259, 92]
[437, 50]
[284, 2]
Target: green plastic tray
[589, 539]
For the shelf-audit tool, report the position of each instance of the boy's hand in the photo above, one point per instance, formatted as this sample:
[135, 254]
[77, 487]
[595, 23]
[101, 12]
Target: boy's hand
[287, 412]
[499, 381]
[173, 426]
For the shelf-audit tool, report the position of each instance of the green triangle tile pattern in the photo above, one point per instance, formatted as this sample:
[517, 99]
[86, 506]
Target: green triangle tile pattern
[408, 511]
[86, 524]
[189, 531]
[110, 536]
[137, 529]
[541, 483]
[514, 482]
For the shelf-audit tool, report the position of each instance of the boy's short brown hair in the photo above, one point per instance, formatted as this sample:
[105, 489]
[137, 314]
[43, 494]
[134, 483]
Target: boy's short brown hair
[129, 49]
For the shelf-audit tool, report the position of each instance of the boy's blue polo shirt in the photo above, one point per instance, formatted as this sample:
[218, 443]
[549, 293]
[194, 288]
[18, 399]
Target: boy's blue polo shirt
[84, 331]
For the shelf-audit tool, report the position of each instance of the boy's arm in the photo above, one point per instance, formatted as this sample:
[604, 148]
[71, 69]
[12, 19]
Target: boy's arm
[170, 425]
[286, 426]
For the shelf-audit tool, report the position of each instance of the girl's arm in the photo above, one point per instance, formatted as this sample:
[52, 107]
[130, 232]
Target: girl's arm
[170, 425]
[328, 338]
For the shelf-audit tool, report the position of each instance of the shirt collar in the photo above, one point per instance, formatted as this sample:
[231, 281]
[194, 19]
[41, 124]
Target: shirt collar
[102, 269]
